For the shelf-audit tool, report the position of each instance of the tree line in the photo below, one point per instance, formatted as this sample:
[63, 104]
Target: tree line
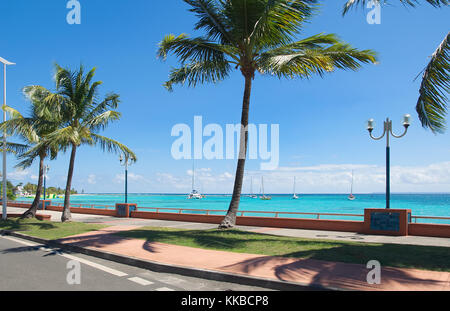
[59, 121]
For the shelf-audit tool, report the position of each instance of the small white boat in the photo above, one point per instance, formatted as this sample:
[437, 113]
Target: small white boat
[251, 191]
[295, 196]
[351, 197]
[263, 196]
[194, 194]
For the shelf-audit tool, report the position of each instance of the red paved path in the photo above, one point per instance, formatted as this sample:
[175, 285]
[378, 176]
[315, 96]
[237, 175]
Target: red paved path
[306, 271]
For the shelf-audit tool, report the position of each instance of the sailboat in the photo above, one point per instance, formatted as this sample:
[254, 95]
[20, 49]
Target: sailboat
[351, 197]
[251, 190]
[263, 196]
[194, 194]
[295, 196]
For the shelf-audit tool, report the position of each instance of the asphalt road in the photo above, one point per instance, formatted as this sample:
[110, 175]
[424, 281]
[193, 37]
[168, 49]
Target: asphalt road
[27, 266]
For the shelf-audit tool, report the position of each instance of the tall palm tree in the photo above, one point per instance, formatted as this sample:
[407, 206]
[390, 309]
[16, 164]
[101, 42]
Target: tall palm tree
[431, 106]
[254, 36]
[82, 118]
[33, 131]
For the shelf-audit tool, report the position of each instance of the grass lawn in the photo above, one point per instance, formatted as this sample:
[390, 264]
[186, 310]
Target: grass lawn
[393, 255]
[47, 229]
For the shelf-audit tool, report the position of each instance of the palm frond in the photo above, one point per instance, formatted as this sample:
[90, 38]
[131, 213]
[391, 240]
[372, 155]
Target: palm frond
[280, 21]
[18, 125]
[211, 20]
[194, 49]
[111, 145]
[316, 55]
[15, 148]
[432, 104]
[111, 101]
[101, 121]
[199, 72]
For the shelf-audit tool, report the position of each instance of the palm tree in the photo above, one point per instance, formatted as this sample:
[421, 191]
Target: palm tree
[33, 131]
[431, 106]
[254, 36]
[82, 117]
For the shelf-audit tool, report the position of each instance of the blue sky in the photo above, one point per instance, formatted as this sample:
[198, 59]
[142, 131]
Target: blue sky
[322, 120]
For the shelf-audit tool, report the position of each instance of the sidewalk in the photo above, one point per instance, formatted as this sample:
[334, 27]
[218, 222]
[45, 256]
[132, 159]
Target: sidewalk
[298, 233]
[301, 271]
[304, 271]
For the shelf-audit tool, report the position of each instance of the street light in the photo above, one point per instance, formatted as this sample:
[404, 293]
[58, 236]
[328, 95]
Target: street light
[4, 198]
[126, 162]
[387, 132]
[46, 169]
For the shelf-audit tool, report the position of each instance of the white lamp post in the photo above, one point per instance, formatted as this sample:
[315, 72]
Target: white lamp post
[4, 198]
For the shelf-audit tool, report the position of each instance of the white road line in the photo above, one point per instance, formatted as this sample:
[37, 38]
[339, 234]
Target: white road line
[164, 289]
[140, 281]
[71, 257]
[95, 265]
[20, 241]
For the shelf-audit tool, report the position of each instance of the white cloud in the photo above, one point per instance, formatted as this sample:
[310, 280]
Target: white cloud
[334, 178]
[18, 175]
[120, 178]
[92, 179]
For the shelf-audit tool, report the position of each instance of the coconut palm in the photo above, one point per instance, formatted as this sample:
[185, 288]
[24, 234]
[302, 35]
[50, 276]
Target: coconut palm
[32, 130]
[82, 116]
[254, 36]
[431, 106]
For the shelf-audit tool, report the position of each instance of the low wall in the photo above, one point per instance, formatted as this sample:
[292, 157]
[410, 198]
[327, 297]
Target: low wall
[289, 223]
[79, 210]
[435, 230]
[21, 205]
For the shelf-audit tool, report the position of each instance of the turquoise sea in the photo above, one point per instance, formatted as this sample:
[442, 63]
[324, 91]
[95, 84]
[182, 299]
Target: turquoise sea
[420, 204]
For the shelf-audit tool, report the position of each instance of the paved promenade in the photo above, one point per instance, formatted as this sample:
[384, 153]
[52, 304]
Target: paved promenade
[304, 271]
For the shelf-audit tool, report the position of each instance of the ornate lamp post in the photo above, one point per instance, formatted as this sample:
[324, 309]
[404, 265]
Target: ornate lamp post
[4, 197]
[387, 132]
[126, 162]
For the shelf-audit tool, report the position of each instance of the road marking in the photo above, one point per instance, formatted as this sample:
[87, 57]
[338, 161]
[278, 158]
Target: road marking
[164, 289]
[19, 241]
[95, 265]
[71, 257]
[140, 281]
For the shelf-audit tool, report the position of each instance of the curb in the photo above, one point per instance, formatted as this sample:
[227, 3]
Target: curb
[181, 270]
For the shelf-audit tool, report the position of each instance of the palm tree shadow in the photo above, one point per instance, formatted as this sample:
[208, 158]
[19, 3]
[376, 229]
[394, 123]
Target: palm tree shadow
[301, 267]
[18, 226]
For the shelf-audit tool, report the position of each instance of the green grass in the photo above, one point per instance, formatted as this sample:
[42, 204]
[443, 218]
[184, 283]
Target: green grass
[393, 255]
[47, 229]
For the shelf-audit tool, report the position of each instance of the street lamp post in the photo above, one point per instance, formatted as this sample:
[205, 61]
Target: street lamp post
[46, 169]
[4, 198]
[387, 132]
[126, 162]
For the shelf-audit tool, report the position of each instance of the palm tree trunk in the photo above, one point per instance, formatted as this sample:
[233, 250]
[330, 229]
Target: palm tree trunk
[66, 216]
[31, 212]
[230, 219]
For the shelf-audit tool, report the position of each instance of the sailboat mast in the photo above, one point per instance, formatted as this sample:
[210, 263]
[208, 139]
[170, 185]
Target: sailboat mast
[351, 191]
[262, 184]
[294, 185]
[193, 174]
